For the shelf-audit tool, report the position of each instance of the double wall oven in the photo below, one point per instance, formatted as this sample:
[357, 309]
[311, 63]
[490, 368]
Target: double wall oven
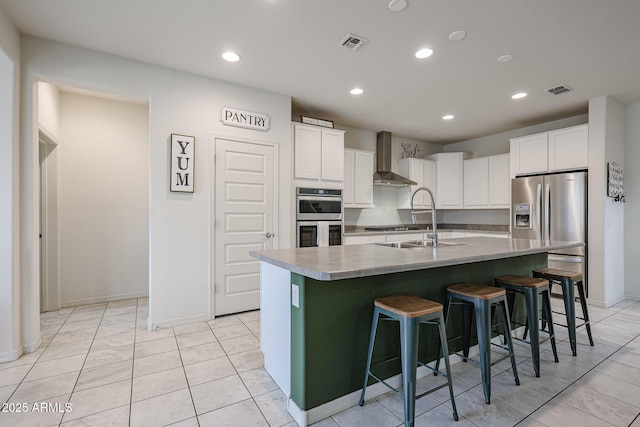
[318, 217]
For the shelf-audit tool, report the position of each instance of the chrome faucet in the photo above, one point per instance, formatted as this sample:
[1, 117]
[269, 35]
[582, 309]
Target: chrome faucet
[434, 237]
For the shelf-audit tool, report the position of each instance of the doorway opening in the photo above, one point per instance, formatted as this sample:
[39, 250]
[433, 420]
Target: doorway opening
[94, 197]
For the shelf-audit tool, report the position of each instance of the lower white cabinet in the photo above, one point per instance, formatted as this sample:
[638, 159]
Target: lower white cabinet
[404, 237]
[362, 240]
[358, 179]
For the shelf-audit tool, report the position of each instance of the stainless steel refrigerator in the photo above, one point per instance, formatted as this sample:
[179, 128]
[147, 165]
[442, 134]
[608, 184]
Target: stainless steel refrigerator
[553, 207]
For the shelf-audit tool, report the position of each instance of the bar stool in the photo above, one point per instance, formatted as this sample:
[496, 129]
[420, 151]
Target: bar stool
[482, 300]
[531, 287]
[410, 311]
[567, 279]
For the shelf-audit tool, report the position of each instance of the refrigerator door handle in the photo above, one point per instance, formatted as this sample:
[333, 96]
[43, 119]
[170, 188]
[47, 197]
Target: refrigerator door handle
[547, 216]
[539, 210]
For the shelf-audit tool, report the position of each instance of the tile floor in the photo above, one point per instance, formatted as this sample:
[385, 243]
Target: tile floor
[101, 362]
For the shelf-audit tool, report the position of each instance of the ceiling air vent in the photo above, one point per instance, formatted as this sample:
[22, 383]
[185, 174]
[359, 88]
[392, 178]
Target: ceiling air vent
[557, 90]
[352, 41]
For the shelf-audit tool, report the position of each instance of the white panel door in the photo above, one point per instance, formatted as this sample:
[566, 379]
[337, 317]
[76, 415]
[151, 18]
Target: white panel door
[244, 221]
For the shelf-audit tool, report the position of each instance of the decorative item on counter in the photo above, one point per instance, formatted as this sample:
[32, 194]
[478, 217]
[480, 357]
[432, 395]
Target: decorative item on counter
[615, 175]
[408, 151]
[317, 122]
[183, 156]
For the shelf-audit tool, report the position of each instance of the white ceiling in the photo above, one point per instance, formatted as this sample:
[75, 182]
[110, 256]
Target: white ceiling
[291, 47]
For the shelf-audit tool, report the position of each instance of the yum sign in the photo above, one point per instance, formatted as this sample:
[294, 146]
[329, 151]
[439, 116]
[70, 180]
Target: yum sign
[182, 159]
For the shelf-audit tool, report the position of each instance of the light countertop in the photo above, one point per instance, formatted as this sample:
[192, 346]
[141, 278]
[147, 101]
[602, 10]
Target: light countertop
[350, 261]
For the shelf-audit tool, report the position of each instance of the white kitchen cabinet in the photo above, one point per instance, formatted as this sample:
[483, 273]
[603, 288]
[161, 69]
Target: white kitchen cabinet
[404, 237]
[422, 171]
[476, 183]
[318, 153]
[569, 148]
[499, 181]
[487, 184]
[449, 181]
[362, 240]
[557, 150]
[358, 179]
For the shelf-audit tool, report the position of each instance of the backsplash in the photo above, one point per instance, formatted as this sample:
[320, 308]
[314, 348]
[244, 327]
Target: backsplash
[386, 213]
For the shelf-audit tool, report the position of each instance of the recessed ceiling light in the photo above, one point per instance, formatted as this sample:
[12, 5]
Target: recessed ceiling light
[448, 117]
[398, 5]
[457, 35]
[424, 53]
[519, 95]
[231, 56]
[356, 91]
[505, 58]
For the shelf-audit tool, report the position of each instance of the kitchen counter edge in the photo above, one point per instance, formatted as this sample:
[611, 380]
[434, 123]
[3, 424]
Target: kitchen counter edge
[349, 261]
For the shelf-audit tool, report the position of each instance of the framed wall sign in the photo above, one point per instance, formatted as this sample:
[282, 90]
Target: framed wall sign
[615, 175]
[183, 156]
[245, 119]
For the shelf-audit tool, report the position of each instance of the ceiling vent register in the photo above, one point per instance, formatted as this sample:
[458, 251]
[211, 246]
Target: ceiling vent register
[557, 90]
[352, 41]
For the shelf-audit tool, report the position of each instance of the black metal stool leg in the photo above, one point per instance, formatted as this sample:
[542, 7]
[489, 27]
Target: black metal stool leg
[409, 357]
[585, 311]
[546, 312]
[531, 299]
[507, 326]
[570, 310]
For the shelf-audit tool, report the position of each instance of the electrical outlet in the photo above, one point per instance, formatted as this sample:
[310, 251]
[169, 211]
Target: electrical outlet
[295, 296]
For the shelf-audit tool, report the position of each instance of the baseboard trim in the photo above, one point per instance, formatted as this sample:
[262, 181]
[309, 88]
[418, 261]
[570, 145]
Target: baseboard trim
[170, 323]
[10, 356]
[104, 298]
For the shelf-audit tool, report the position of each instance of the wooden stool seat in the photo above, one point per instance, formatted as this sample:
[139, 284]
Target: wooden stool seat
[476, 291]
[555, 274]
[526, 282]
[408, 305]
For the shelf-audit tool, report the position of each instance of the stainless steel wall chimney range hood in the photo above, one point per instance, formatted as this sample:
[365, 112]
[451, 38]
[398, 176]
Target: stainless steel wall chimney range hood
[384, 176]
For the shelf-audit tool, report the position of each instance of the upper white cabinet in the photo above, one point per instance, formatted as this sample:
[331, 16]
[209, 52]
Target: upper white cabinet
[318, 153]
[556, 150]
[569, 148]
[358, 179]
[499, 181]
[487, 182]
[476, 183]
[449, 181]
[423, 172]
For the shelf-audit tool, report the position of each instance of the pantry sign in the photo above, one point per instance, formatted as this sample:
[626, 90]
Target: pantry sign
[245, 119]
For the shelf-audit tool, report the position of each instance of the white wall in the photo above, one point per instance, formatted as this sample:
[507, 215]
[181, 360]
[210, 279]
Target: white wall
[10, 332]
[103, 195]
[632, 206]
[180, 258]
[606, 218]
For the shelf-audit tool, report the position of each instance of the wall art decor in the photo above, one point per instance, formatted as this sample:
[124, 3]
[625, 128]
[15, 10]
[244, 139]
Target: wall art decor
[183, 156]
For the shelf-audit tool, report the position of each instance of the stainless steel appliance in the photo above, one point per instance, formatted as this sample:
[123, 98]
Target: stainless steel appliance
[553, 207]
[318, 217]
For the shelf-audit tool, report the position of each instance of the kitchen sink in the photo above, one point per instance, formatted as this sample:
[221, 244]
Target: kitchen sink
[417, 244]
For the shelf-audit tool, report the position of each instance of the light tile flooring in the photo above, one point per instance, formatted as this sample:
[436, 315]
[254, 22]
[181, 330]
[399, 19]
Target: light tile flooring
[101, 361]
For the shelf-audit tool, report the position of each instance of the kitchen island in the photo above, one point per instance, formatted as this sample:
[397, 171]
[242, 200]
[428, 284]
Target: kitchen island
[317, 304]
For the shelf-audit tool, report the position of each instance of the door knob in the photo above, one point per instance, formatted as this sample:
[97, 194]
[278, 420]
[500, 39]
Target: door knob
[268, 235]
